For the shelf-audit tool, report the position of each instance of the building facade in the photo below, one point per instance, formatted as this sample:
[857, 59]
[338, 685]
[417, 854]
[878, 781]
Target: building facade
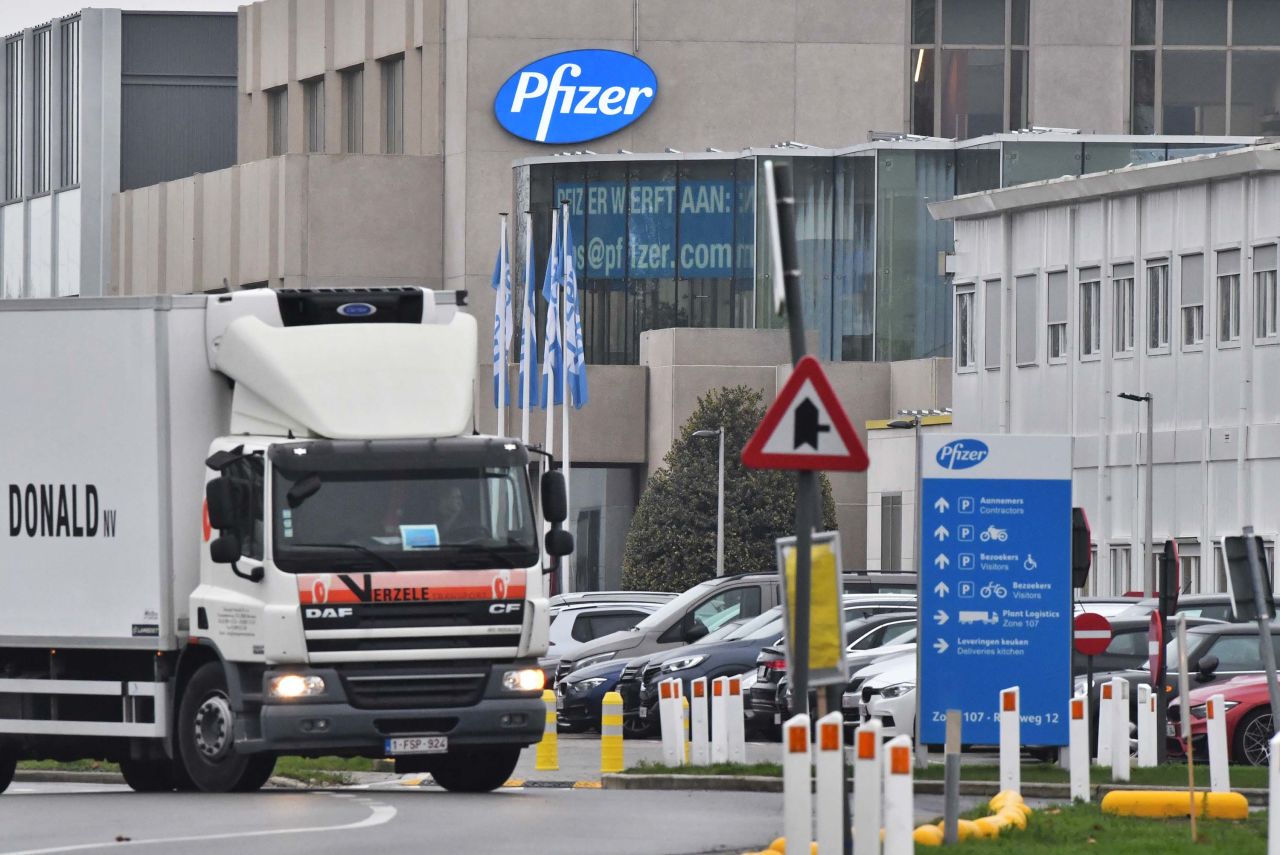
[95, 103]
[1155, 280]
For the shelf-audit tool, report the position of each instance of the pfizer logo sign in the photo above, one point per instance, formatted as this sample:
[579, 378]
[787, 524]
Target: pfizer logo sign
[575, 96]
[962, 454]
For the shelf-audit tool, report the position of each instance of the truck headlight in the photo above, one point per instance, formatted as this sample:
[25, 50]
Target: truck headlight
[524, 680]
[291, 686]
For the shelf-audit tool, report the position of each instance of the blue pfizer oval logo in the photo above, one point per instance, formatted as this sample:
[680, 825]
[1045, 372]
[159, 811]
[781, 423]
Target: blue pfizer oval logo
[962, 454]
[356, 310]
[575, 96]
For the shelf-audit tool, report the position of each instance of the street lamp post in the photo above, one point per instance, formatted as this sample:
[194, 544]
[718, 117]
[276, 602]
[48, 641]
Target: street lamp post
[719, 499]
[1148, 566]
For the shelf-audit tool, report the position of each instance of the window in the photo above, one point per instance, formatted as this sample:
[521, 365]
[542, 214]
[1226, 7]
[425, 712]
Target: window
[245, 475]
[967, 66]
[278, 120]
[353, 110]
[1090, 311]
[392, 105]
[964, 352]
[1122, 286]
[1192, 281]
[1120, 569]
[1264, 291]
[1213, 65]
[991, 331]
[41, 99]
[728, 605]
[1025, 339]
[14, 72]
[891, 531]
[1158, 306]
[69, 142]
[588, 627]
[1229, 296]
[313, 113]
[1057, 287]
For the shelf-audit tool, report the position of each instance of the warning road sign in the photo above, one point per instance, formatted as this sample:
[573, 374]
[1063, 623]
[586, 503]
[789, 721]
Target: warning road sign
[806, 428]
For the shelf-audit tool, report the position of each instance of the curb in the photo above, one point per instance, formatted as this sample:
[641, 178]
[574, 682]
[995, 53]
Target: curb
[55, 776]
[730, 783]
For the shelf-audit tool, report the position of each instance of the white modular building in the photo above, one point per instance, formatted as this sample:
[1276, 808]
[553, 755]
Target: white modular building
[1153, 280]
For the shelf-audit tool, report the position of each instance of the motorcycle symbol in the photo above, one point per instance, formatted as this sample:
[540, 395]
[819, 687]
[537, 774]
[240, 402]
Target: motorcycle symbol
[993, 533]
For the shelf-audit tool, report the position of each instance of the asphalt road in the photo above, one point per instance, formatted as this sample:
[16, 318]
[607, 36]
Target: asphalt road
[47, 819]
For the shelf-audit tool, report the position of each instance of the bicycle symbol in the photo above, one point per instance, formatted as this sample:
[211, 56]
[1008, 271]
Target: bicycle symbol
[992, 589]
[993, 533]
[1030, 563]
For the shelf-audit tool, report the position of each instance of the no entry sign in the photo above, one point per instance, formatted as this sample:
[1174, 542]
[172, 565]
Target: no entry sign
[1092, 634]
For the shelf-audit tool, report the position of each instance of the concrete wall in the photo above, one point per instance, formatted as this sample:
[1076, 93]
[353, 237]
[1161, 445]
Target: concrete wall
[1079, 75]
[299, 221]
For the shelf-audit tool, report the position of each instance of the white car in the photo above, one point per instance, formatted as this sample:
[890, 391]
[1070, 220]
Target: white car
[890, 696]
[575, 624]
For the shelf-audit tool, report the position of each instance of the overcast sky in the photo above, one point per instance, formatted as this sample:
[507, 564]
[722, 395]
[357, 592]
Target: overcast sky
[19, 14]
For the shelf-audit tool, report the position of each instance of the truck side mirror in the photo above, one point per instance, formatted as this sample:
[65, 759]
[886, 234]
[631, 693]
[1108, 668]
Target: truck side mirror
[225, 549]
[559, 543]
[217, 495]
[555, 505]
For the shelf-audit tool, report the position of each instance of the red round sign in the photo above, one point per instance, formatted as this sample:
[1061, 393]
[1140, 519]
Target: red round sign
[1092, 633]
[1155, 648]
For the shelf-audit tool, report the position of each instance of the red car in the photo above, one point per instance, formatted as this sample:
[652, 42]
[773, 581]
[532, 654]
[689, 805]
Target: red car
[1248, 719]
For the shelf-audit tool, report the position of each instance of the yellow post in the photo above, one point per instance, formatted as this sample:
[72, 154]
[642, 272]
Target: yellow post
[548, 759]
[611, 733]
[687, 727]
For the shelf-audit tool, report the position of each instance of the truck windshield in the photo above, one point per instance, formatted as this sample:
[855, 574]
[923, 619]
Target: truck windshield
[473, 516]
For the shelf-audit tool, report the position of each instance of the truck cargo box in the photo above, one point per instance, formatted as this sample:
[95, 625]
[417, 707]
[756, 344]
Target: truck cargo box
[109, 408]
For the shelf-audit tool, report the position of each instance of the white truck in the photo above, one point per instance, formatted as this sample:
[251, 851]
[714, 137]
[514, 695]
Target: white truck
[257, 523]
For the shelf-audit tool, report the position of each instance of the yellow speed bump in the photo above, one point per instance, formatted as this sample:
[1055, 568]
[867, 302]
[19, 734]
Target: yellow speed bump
[988, 826]
[1166, 803]
[927, 835]
[1015, 817]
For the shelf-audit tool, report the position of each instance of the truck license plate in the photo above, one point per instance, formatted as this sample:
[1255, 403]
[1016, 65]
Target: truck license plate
[417, 745]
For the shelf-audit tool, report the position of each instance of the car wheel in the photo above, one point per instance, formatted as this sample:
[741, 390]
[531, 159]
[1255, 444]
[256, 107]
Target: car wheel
[1253, 738]
[635, 727]
[8, 767]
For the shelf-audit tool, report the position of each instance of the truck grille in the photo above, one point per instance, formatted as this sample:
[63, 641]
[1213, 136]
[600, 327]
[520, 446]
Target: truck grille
[398, 688]
[411, 630]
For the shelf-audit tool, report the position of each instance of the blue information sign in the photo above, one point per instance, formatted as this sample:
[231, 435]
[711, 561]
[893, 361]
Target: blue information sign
[995, 584]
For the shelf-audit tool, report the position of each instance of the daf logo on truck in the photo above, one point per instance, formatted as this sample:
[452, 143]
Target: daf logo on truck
[58, 510]
[329, 612]
[575, 96]
[962, 454]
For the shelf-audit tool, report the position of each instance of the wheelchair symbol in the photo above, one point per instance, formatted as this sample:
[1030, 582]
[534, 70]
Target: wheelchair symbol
[1030, 563]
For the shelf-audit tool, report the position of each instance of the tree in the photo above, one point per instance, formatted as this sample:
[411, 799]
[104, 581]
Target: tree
[671, 545]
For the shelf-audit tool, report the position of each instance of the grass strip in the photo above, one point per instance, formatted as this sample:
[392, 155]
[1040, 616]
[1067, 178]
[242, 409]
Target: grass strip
[1169, 775]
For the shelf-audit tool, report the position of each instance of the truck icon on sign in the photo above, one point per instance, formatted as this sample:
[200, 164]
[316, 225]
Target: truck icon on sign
[979, 617]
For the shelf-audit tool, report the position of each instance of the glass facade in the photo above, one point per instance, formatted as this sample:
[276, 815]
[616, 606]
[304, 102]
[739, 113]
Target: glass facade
[670, 241]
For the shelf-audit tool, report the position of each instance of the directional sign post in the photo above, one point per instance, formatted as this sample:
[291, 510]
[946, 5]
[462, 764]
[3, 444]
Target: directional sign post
[996, 584]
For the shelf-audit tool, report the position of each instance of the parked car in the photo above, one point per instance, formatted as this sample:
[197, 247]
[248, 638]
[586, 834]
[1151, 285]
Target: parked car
[580, 597]
[1128, 649]
[890, 695]
[1247, 702]
[1108, 607]
[575, 624]
[1215, 606]
[579, 696]
[851, 701]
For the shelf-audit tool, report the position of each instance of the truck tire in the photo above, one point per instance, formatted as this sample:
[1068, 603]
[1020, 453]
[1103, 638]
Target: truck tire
[257, 774]
[8, 765]
[148, 776]
[206, 741]
[475, 770]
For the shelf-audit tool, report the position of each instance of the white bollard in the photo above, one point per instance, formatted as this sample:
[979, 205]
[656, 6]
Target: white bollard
[669, 721]
[899, 798]
[797, 797]
[828, 773]
[1219, 774]
[1103, 753]
[1078, 730]
[1119, 729]
[867, 781]
[701, 745]
[1146, 727]
[736, 732]
[1011, 740]
[1273, 804]
[719, 721]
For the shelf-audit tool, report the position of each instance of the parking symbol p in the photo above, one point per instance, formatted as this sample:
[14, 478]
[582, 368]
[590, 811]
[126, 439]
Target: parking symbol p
[966, 589]
[966, 561]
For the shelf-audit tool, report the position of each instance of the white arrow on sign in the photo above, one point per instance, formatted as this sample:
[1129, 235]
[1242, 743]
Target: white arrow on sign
[941, 532]
[940, 617]
[941, 589]
[940, 646]
[942, 561]
[942, 505]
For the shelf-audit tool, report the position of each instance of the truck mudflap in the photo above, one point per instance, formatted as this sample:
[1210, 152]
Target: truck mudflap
[361, 709]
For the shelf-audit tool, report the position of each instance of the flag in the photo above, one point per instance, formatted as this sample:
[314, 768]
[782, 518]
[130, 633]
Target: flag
[573, 325]
[502, 325]
[552, 385]
[528, 332]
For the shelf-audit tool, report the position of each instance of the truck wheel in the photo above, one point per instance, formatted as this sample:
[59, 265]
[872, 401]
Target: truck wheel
[475, 770]
[148, 776]
[257, 774]
[8, 764]
[206, 734]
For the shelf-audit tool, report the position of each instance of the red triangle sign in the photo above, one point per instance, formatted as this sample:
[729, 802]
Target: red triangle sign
[806, 428]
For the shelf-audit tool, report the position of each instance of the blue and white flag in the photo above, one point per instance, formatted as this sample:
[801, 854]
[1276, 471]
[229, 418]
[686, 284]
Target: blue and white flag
[573, 325]
[502, 325]
[528, 335]
[552, 383]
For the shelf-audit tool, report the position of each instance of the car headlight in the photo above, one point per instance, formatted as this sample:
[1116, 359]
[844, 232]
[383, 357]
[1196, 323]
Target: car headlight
[592, 660]
[1201, 710]
[897, 690]
[682, 664]
[524, 680]
[584, 686]
[291, 686]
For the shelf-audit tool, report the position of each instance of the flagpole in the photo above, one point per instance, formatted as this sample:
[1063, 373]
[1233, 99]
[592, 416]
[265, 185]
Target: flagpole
[502, 298]
[548, 369]
[528, 341]
[564, 374]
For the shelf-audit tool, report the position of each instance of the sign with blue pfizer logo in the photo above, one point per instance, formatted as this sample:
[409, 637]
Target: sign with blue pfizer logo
[575, 96]
[995, 584]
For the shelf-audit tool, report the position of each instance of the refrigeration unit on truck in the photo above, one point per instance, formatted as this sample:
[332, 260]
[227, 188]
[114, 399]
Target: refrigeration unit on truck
[258, 523]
